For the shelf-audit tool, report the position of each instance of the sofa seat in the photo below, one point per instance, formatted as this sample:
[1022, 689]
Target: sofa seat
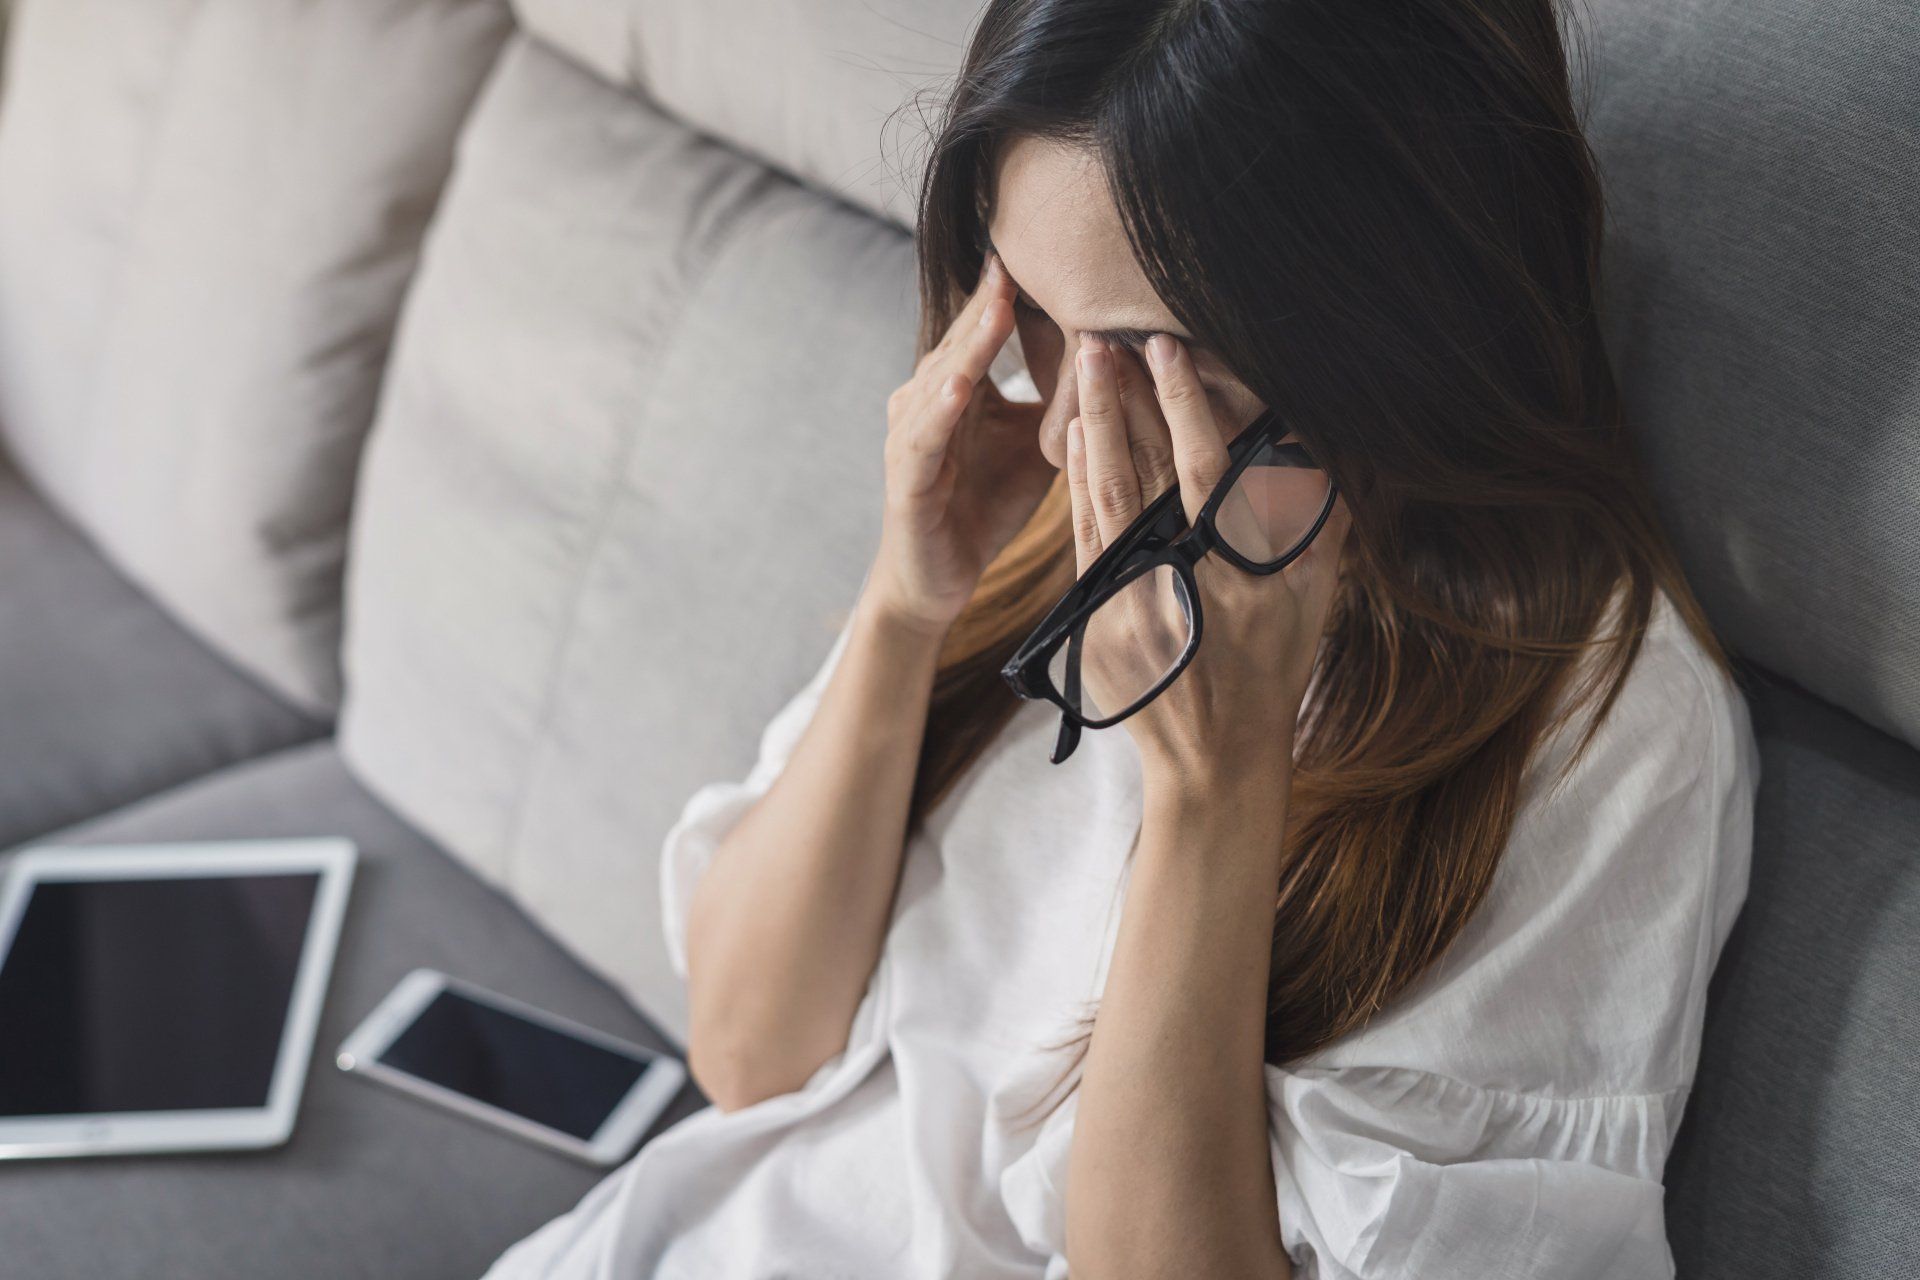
[1795, 1155]
[104, 698]
[373, 1183]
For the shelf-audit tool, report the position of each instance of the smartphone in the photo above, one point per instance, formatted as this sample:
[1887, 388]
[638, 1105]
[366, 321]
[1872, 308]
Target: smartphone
[509, 1064]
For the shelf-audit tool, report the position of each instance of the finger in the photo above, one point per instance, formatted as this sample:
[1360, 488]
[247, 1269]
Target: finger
[972, 355]
[994, 285]
[1251, 534]
[1112, 483]
[977, 334]
[1086, 530]
[1323, 563]
[1199, 454]
[923, 444]
[1149, 440]
[1330, 544]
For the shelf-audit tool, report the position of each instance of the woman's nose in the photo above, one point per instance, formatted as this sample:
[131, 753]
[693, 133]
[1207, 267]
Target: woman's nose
[1066, 386]
[1062, 405]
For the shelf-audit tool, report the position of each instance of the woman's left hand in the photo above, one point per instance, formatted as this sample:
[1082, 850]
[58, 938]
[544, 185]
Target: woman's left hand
[1233, 711]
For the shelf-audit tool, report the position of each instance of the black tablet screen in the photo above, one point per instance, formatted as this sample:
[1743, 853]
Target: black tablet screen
[163, 994]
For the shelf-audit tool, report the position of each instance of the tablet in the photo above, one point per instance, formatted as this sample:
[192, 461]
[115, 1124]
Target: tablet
[163, 997]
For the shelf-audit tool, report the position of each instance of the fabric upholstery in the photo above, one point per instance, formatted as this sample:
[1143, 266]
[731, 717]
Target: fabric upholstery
[831, 93]
[624, 482]
[1798, 1147]
[1763, 165]
[209, 210]
[373, 1183]
[103, 696]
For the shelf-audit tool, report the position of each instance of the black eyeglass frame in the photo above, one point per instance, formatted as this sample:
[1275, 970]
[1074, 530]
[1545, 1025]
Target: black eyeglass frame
[1159, 535]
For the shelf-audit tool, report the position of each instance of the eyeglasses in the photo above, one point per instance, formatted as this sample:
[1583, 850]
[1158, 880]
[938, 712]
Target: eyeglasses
[1131, 624]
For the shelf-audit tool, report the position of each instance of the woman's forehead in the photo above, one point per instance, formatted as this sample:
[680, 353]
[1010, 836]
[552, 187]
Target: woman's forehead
[1055, 226]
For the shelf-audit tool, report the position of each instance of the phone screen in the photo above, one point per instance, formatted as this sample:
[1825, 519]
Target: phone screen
[537, 1072]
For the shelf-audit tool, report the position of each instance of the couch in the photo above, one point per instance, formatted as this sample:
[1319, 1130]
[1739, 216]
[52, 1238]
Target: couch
[456, 425]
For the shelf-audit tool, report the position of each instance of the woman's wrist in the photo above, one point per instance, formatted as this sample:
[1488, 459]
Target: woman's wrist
[896, 622]
[1221, 774]
[1238, 802]
[891, 603]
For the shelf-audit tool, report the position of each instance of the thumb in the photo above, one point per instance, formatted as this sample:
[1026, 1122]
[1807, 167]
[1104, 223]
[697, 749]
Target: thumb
[1326, 556]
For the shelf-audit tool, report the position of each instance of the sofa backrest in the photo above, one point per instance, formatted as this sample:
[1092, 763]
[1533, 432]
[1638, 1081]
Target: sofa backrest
[828, 93]
[209, 211]
[1762, 314]
[624, 482]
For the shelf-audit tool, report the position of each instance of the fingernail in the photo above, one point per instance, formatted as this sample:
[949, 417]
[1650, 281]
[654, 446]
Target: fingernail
[1076, 442]
[1160, 349]
[1092, 352]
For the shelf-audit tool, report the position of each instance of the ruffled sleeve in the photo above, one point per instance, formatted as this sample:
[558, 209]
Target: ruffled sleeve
[1402, 1173]
[1399, 1174]
[711, 812]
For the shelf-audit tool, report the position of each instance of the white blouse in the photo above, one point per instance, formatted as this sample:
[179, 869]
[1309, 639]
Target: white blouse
[1508, 1118]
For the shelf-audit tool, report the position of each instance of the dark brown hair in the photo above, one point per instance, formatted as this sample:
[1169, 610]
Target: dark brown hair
[1386, 220]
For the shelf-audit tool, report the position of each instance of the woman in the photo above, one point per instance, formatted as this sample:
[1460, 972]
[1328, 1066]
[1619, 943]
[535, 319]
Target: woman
[1377, 944]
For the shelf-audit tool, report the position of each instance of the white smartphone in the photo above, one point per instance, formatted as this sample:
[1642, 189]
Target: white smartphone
[495, 1059]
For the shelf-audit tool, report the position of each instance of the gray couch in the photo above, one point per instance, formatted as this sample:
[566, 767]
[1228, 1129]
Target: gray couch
[375, 375]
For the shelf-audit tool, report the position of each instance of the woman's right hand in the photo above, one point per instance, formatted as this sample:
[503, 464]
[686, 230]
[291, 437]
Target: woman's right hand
[964, 469]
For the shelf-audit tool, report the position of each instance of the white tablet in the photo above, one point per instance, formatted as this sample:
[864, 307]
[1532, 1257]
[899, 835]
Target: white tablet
[163, 997]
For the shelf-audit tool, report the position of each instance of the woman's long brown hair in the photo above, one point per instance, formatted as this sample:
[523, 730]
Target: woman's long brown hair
[1386, 219]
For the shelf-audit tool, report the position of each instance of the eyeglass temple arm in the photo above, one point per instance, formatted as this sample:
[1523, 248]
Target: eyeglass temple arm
[1069, 730]
[1069, 739]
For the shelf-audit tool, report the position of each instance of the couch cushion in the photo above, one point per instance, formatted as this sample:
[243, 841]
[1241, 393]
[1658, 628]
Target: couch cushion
[1760, 163]
[373, 1183]
[1798, 1148]
[209, 210]
[624, 484]
[821, 91]
[104, 697]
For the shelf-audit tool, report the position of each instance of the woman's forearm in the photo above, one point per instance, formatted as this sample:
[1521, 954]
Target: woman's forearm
[786, 923]
[1170, 1172]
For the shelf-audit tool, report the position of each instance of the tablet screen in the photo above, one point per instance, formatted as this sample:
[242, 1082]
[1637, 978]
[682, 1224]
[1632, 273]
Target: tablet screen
[162, 994]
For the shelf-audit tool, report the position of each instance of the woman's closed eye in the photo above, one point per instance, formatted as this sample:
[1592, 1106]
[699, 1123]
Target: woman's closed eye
[1025, 308]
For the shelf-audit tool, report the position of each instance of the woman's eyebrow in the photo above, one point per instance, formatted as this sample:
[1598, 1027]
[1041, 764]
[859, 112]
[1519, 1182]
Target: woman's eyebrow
[1134, 340]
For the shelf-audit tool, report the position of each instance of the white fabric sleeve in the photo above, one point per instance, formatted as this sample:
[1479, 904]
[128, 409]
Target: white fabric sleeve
[1399, 1172]
[711, 812]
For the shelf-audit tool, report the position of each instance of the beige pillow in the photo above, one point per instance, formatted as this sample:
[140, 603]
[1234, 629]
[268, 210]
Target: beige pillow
[817, 90]
[209, 211]
[624, 483]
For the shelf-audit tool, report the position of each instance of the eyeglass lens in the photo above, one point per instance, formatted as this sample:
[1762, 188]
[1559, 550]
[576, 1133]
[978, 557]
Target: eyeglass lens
[1126, 646]
[1271, 506]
